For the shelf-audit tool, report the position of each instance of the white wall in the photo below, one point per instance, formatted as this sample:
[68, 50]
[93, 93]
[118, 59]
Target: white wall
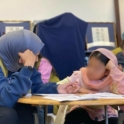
[121, 9]
[89, 10]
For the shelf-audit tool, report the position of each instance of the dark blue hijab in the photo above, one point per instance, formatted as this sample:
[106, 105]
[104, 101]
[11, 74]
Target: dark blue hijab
[18, 41]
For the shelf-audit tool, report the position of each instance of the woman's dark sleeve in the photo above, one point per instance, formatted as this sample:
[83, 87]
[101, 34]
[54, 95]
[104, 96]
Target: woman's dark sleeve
[11, 89]
[39, 87]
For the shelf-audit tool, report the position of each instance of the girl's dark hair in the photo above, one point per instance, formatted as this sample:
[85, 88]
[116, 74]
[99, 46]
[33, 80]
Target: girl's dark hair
[100, 57]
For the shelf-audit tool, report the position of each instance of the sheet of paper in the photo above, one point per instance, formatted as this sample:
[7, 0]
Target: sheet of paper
[100, 34]
[106, 95]
[76, 97]
[66, 97]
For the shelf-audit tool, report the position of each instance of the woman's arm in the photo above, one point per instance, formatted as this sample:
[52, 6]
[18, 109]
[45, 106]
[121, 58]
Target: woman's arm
[39, 87]
[15, 87]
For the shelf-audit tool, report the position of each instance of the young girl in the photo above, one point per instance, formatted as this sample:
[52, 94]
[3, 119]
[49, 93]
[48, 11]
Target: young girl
[101, 75]
[46, 70]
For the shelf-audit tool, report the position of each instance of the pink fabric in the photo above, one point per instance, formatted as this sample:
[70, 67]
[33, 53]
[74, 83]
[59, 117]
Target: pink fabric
[114, 83]
[109, 55]
[95, 111]
[45, 69]
[98, 84]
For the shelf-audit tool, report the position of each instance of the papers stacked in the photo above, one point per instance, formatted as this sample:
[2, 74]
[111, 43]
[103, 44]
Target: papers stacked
[77, 97]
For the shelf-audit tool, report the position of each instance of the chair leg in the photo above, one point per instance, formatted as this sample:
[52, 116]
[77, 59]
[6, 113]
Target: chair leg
[60, 117]
[120, 116]
[36, 119]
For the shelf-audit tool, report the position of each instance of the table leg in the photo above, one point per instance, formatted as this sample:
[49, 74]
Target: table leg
[106, 115]
[45, 114]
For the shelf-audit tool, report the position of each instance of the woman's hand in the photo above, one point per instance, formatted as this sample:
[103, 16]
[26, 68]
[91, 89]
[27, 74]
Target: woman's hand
[110, 65]
[83, 90]
[27, 58]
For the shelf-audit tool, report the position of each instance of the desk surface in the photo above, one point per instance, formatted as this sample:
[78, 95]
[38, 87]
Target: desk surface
[38, 100]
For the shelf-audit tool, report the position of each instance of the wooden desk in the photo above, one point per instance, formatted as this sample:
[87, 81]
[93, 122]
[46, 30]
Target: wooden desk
[38, 100]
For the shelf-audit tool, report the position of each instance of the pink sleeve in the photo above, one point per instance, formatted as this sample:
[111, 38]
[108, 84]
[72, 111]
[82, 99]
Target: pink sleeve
[75, 77]
[118, 80]
[45, 69]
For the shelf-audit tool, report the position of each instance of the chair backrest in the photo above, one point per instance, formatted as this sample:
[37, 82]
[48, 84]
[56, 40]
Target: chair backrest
[116, 50]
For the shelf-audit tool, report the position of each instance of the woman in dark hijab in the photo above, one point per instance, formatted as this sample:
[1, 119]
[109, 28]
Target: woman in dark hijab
[19, 51]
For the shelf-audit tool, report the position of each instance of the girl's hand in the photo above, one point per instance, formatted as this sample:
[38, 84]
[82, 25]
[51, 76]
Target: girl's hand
[70, 89]
[85, 91]
[73, 88]
[110, 65]
[62, 88]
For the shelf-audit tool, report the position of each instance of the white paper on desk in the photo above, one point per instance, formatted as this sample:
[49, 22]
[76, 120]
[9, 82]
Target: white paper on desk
[106, 95]
[77, 97]
[66, 97]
